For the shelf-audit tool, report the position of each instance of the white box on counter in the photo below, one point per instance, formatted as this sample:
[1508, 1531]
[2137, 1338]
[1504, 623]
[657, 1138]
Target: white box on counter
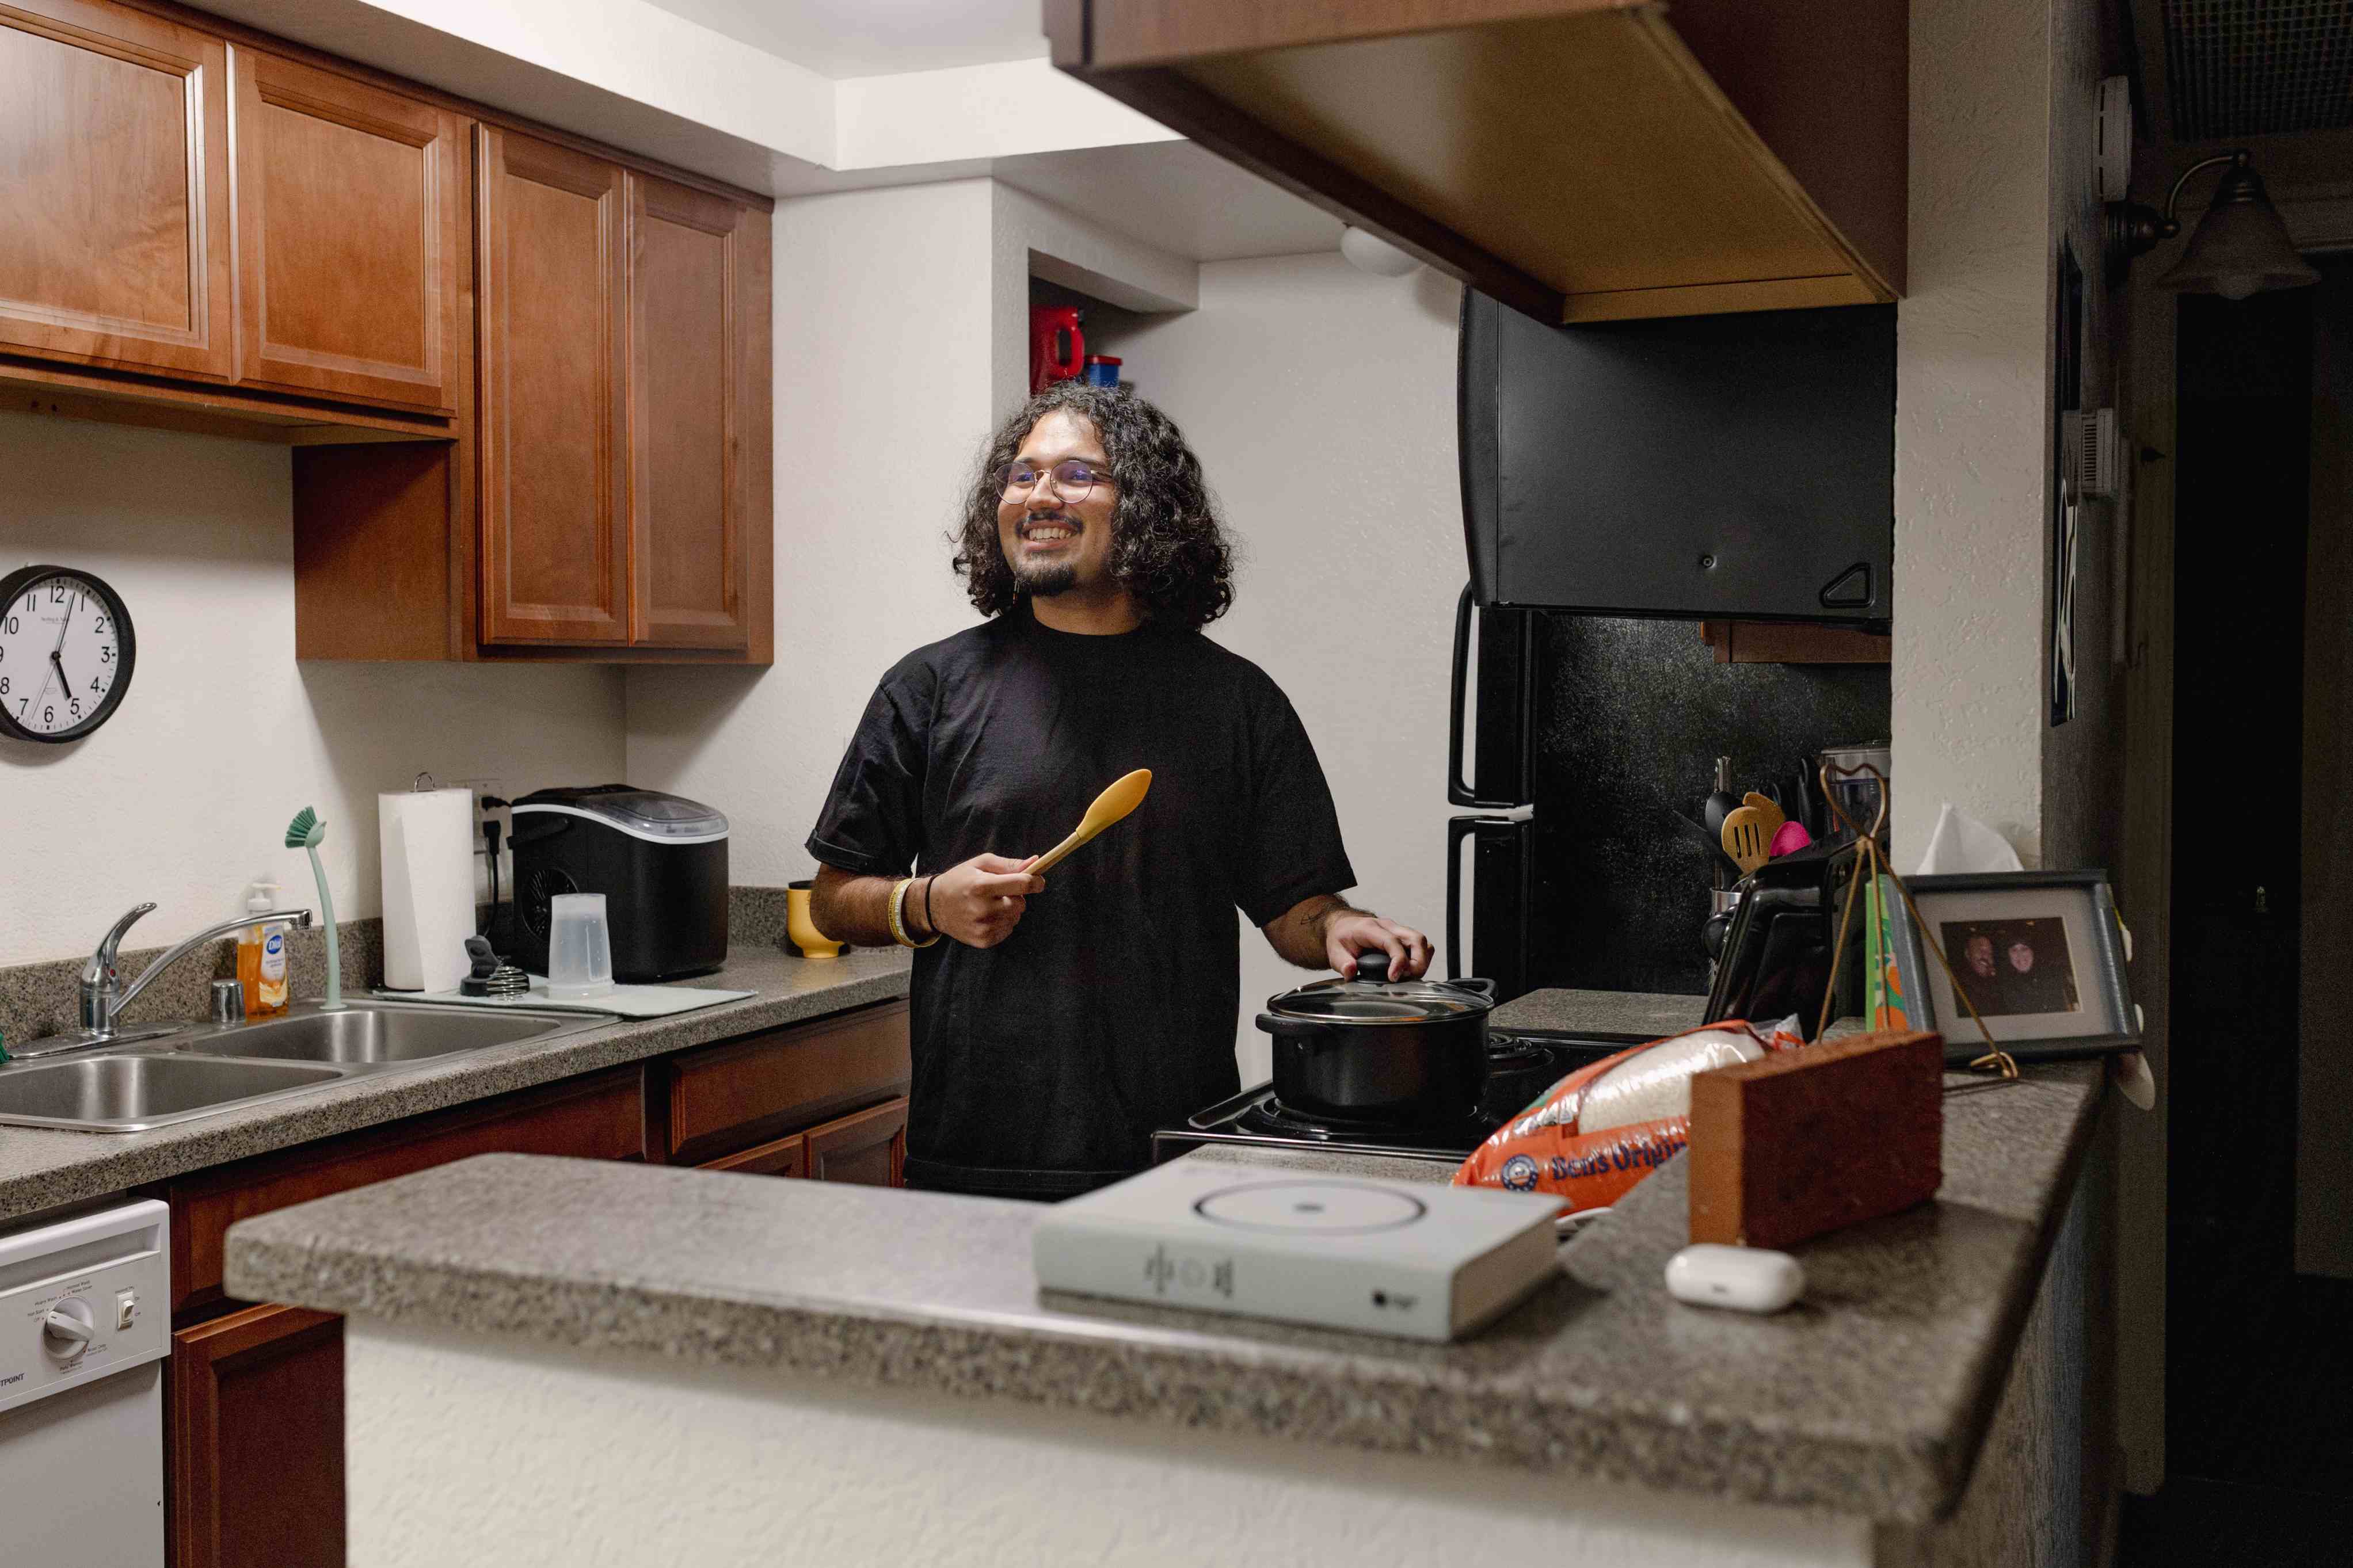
[1419, 1261]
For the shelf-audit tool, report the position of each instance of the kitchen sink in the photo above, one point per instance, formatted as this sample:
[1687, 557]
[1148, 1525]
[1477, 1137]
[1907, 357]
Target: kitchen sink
[369, 1033]
[204, 1069]
[123, 1093]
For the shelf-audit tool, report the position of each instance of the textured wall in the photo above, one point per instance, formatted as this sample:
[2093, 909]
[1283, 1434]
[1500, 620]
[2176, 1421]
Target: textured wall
[184, 796]
[1322, 403]
[1972, 434]
[473, 1451]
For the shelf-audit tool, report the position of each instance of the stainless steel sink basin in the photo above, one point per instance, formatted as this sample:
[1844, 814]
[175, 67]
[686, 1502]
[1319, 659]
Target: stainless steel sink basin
[368, 1032]
[126, 1092]
[204, 1069]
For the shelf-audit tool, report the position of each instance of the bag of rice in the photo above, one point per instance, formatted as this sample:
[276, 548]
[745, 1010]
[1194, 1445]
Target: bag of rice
[1594, 1134]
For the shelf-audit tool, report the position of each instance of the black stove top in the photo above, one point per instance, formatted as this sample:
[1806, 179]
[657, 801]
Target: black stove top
[1521, 1065]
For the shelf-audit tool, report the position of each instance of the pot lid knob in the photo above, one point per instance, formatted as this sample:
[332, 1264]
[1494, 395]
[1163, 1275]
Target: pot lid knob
[1373, 967]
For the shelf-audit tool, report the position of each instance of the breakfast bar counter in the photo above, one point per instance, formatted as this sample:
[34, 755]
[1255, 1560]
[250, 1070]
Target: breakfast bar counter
[788, 1348]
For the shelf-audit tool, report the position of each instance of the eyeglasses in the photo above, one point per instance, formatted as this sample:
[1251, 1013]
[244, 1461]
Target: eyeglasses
[1072, 478]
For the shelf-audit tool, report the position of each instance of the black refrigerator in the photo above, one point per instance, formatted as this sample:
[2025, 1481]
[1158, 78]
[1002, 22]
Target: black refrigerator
[1621, 483]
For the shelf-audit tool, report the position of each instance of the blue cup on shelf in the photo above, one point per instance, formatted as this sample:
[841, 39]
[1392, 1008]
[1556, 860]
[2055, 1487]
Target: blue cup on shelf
[1102, 370]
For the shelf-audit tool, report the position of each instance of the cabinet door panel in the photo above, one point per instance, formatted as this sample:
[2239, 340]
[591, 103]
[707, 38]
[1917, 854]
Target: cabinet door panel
[784, 1157]
[555, 461]
[113, 158]
[255, 1420]
[869, 1148]
[349, 229]
[686, 402]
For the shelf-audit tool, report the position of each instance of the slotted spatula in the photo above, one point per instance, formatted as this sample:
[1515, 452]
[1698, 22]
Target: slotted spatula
[1747, 840]
[1125, 793]
[1769, 809]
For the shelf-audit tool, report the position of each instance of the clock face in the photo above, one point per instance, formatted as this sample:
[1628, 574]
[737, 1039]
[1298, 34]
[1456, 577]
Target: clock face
[66, 653]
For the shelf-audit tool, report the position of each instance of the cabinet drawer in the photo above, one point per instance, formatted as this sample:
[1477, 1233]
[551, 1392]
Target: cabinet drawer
[599, 1117]
[731, 1096]
[782, 1157]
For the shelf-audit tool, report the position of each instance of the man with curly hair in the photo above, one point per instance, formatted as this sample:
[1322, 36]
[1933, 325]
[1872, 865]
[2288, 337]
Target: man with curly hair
[1056, 1026]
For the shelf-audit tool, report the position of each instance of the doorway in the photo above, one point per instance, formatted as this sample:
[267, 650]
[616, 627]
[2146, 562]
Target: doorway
[2259, 1341]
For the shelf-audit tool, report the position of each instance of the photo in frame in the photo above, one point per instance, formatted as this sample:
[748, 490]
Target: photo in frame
[2040, 953]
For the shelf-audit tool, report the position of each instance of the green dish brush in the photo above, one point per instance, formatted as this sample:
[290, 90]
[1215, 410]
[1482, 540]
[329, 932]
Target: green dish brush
[305, 832]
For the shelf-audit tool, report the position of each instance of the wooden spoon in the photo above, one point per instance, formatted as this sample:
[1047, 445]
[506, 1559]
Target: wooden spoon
[1124, 795]
[1746, 839]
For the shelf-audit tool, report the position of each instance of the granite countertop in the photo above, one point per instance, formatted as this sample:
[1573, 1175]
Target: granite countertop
[41, 1168]
[1871, 1399]
[1635, 1016]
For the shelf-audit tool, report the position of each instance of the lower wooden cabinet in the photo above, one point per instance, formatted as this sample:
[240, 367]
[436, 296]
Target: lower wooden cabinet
[255, 1470]
[254, 1402]
[595, 1118]
[729, 1097]
[869, 1148]
[780, 1157]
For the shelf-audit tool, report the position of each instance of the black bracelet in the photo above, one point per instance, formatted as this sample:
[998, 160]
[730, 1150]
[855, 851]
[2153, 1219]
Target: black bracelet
[928, 924]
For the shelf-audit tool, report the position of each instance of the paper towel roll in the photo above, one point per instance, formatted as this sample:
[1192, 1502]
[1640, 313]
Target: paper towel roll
[428, 837]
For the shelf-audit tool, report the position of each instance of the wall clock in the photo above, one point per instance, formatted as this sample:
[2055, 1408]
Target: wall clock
[66, 652]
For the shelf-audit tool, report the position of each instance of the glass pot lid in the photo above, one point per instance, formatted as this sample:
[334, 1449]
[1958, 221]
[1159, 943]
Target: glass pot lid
[1373, 999]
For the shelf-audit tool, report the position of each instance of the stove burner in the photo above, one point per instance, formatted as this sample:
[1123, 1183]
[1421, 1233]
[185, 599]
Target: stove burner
[1271, 1117]
[1517, 1053]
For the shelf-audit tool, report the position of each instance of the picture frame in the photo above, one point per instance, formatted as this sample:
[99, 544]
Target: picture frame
[2040, 953]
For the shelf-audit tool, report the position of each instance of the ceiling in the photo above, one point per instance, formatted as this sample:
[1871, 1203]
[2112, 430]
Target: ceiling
[1175, 195]
[874, 37]
[2257, 68]
[2274, 77]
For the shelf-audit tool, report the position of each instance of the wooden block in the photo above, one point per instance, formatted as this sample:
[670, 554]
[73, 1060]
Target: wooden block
[1803, 1141]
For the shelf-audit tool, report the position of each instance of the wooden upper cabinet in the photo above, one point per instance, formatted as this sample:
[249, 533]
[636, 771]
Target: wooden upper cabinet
[688, 396]
[115, 205]
[553, 462]
[1580, 159]
[351, 236]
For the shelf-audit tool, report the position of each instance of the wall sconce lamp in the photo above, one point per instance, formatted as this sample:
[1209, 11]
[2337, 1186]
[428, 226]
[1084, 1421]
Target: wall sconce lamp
[2240, 246]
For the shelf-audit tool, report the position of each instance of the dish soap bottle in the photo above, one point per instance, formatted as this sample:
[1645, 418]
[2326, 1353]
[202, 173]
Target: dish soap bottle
[261, 957]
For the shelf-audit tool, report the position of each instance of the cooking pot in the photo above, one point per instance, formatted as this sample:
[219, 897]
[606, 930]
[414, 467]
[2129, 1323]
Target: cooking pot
[1410, 1053]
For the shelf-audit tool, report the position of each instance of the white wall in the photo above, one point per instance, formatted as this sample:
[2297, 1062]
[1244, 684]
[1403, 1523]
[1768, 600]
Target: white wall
[883, 355]
[472, 1450]
[1970, 440]
[184, 795]
[1321, 400]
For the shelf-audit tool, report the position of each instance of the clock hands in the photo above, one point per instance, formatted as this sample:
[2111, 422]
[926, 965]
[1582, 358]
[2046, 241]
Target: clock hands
[56, 657]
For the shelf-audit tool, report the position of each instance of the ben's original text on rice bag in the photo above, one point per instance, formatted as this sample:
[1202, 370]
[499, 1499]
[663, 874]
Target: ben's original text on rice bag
[1594, 1134]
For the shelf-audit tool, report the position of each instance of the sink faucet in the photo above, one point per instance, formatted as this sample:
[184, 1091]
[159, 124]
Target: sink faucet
[103, 994]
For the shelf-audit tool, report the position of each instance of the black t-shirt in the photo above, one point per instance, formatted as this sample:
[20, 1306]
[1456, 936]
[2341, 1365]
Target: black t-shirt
[1043, 1065]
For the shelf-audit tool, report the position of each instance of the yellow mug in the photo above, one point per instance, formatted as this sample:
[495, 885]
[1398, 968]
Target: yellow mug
[813, 943]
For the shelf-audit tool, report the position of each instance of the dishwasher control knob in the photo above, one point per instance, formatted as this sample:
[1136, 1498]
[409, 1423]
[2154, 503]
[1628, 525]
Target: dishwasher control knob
[68, 1329]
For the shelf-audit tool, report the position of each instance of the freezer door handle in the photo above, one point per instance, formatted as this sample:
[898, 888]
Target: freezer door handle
[1459, 788]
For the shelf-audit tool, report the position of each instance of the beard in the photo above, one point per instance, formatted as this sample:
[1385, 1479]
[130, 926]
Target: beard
[1047, 579]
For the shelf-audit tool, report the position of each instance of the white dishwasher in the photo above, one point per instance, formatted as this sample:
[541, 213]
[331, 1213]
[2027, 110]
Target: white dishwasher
[85, 1324]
